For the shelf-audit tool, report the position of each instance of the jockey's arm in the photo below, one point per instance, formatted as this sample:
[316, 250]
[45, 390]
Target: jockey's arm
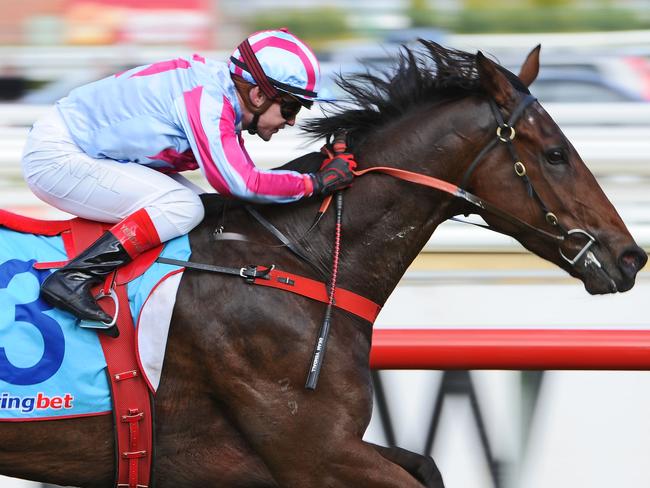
[210, 127]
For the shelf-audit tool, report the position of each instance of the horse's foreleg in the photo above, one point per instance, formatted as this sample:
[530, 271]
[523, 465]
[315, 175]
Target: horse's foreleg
[305, 454]
[345, 465]
[422, 468]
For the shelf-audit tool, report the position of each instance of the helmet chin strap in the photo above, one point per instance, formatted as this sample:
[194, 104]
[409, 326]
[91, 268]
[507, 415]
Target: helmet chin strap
[257, 112]
[252, 128]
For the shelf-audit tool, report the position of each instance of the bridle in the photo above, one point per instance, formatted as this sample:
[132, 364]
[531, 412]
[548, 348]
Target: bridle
[505, 134]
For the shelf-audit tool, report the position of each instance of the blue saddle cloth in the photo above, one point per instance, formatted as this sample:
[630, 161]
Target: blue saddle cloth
[50, 367]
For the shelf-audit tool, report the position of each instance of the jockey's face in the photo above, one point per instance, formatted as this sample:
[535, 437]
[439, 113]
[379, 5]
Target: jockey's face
[272, 121]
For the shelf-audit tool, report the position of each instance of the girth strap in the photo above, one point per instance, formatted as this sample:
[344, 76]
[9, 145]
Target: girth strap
[249, 272]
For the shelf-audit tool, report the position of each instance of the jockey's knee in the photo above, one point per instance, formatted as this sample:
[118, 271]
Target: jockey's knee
[192, 211]
[178, 215]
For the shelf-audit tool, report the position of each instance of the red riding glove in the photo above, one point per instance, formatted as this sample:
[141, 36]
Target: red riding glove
[335, 174]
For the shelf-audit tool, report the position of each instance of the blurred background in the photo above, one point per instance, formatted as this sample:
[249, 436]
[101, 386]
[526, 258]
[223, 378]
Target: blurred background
[500, 429]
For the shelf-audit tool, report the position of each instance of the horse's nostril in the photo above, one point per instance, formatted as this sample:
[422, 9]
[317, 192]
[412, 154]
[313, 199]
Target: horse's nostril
[632, 260]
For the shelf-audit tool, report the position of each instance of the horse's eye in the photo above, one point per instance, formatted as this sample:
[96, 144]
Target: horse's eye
[556, 156]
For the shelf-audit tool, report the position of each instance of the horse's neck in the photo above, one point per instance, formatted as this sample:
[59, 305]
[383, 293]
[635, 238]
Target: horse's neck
[387, 222]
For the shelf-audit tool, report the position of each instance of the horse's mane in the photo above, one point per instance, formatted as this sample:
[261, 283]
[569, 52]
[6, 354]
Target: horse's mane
[431, 74]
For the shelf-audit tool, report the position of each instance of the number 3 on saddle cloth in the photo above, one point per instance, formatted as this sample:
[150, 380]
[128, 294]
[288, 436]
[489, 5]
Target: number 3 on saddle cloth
[50, 367]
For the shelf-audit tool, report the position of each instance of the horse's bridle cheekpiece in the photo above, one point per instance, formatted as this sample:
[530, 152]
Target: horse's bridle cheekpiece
[505, 134]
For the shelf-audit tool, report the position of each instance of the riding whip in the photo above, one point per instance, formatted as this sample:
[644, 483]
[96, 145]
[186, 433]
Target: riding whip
[316, 364]
[321, 343]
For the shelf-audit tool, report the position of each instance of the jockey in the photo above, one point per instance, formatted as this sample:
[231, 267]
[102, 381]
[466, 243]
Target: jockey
[111, 151]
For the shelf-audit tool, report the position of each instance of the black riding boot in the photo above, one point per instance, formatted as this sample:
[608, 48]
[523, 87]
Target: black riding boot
[69, 287]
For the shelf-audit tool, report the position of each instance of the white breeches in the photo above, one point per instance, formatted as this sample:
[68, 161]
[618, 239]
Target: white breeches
[62, 175]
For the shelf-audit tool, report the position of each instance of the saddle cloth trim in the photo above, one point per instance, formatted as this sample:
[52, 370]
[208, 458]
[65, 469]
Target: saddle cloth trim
[58, 417]
[29, 225]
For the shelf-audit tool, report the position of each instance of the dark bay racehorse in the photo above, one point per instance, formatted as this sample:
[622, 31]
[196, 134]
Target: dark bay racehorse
[231, 409]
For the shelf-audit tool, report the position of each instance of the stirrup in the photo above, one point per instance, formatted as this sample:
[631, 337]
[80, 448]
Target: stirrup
[104, 326]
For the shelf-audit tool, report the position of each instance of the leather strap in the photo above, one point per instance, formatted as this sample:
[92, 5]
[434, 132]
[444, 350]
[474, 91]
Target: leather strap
[293, 246]
[455, 191]
[132, 403]
[316, 290]
[275, 278]
[249, 272]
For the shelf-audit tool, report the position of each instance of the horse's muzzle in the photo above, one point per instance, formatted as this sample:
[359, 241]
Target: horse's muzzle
[630, 262]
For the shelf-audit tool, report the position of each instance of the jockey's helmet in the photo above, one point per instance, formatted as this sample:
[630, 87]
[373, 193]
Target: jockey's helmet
[278, 62]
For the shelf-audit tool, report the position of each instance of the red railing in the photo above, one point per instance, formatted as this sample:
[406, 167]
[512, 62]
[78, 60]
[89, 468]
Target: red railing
[516, 349]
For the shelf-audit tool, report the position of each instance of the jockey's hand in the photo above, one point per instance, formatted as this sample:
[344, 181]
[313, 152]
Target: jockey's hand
[335, 174]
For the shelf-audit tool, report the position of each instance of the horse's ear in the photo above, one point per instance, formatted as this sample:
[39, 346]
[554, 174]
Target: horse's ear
[493, 81]
[530, 68]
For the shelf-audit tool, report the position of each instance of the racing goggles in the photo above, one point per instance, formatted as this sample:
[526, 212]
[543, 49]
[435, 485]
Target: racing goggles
[289, 106]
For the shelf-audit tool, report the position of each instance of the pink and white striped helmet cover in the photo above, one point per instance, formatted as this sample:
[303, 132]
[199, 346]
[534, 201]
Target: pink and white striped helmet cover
[288, 62]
